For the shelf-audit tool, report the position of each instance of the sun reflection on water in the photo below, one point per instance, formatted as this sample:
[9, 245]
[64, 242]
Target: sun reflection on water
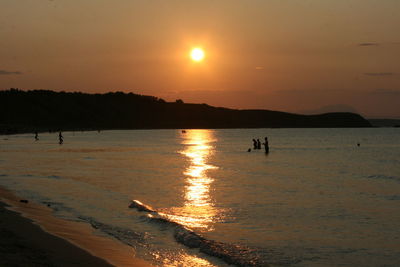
[198, 210]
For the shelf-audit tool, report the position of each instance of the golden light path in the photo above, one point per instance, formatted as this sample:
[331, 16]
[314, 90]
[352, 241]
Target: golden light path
[198, 210]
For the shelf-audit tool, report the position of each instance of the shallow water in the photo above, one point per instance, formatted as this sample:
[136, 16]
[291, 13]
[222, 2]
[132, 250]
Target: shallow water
[317, 199]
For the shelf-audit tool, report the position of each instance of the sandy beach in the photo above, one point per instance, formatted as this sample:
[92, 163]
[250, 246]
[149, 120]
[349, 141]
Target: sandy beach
[30, 236]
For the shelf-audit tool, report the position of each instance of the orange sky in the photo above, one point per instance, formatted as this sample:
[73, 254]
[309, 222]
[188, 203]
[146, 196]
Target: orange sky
[270, 54]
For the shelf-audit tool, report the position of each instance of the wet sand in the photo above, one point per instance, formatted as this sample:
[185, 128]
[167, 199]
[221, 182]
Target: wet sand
[26, 240]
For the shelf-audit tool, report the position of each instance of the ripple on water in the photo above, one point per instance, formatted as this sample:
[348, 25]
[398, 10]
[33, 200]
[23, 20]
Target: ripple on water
[393, 197]
[384, 177]
[54, 177]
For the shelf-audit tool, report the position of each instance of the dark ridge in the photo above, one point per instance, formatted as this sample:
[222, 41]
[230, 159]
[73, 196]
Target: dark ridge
[385, 122]
[45, 110]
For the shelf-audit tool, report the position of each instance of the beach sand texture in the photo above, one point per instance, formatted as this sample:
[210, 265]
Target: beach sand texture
[24, 243]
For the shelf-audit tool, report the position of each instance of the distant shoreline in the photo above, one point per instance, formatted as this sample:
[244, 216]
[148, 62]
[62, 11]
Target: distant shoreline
[44, 110]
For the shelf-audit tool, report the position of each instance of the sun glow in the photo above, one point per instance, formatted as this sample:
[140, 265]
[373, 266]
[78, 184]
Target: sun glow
[197, 54]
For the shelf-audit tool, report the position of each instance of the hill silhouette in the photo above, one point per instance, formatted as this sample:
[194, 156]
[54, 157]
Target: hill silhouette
[330, 109]
[43, 110]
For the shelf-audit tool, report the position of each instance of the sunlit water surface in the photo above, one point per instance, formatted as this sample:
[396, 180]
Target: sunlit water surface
[317, 199]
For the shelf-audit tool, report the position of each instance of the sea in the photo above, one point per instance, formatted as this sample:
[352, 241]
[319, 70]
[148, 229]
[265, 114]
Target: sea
[198, 197]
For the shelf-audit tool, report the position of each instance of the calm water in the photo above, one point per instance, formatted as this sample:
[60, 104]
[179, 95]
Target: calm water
[317, 199]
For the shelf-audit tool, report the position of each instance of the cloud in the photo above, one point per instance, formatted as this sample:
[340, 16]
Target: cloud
[386, 92]
[379, 74]
[378, 44]
[5, 72]
[368, 44]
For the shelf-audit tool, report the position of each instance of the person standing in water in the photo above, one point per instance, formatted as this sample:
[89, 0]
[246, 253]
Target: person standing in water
[60, 138]
[36, 136]
[266, 145]
[254, 144]
[258, 144]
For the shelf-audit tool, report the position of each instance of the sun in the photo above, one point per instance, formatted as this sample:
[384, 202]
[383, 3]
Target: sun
[197, 54]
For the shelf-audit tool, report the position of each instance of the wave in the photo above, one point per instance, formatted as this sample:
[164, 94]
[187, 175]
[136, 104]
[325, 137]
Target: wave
[37, 176]
[230, 253]
[384, 177]
[94, 150]
[140, 206]
[393, 197]
[53, 177]
[127, 236]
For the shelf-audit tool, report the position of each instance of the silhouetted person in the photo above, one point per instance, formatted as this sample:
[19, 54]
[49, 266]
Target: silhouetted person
[258, 144]
[254, 144]
[60, 138]
[36, 136]
[266, 145]
[249, 150]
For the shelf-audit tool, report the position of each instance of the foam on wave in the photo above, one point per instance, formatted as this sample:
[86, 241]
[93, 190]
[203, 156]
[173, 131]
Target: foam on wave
[127, 236]
[230, 253]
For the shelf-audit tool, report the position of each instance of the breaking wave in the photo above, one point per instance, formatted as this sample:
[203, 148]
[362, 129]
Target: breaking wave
[230, 253]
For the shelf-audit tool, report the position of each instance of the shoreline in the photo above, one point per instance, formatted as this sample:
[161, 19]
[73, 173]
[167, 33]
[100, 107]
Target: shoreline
[32, 236]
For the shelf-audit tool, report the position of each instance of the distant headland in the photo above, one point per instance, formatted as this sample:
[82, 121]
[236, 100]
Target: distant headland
[45, 110]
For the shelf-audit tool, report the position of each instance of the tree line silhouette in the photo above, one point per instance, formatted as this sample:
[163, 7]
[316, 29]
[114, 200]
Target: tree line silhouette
[46, 110]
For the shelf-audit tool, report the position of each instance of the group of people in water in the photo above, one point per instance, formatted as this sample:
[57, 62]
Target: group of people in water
[257, 145]
[60, 137]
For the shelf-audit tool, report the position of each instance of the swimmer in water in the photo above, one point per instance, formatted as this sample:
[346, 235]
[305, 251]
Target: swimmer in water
[60, 138]
[266, 145]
